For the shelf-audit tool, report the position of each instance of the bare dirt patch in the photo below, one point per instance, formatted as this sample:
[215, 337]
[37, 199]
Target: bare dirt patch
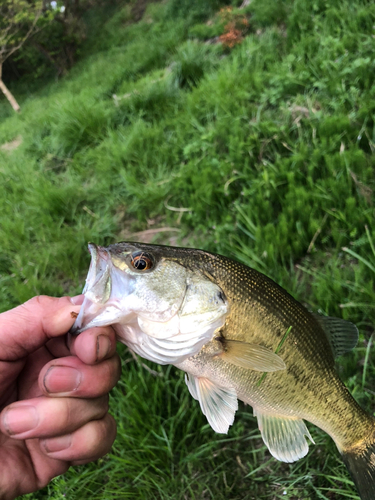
[139, 9]
[11, 145]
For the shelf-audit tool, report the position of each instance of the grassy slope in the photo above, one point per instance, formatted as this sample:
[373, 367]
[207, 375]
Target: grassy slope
[270, 149]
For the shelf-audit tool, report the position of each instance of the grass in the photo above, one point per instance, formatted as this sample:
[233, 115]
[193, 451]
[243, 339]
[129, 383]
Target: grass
[262, 152]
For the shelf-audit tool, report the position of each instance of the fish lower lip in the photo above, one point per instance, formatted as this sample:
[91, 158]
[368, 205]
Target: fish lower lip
[96, 314]
[75, 330]
[89, 310]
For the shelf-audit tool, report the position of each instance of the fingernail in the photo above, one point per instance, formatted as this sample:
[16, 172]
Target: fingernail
[103, 346]
[62, 379]
[57, 444]
[21, 419]
[77, 300]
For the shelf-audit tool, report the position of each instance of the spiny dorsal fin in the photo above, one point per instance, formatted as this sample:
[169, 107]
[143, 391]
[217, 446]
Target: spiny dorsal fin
[251, 356]
[342, 335]
[218, 404]
[283, 436]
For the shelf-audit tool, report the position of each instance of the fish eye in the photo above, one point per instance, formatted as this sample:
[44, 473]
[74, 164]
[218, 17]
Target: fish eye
[141, 261]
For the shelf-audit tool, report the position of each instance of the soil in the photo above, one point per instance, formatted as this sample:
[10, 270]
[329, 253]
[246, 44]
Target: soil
[139, 9]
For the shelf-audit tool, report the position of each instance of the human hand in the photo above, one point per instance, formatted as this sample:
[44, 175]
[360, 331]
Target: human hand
[53, 398]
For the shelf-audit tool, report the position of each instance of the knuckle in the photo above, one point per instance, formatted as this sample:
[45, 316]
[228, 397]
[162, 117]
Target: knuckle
[117, 363]
[107, 433]
[103, 405]
[112, 427]
[34, 300]
[112, 371]
[63, 412]
[97, 439]
[112, 433]
[106, 404]
[39, 300]
[98, 442]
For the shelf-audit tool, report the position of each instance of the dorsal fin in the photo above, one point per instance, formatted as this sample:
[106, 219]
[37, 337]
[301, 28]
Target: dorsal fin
[342, 335]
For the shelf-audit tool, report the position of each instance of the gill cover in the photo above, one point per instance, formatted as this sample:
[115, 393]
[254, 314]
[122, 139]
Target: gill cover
[163, 311]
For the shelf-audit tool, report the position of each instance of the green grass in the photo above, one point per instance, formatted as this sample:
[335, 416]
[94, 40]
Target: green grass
[262, 153]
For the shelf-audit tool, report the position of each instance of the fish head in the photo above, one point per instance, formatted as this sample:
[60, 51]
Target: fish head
[161, 305]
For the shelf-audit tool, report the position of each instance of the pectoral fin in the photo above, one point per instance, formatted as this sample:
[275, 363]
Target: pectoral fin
[284, 437]
[218, 404]
[251, 356]
[342, 335]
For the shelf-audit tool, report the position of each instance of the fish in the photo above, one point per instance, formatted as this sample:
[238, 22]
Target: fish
[237, 335]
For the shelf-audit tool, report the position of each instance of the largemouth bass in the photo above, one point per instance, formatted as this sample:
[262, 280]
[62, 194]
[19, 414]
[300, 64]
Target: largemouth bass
[237, 335]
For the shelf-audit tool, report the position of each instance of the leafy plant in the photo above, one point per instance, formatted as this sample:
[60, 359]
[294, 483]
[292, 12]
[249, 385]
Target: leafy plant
[263, 153]
[19, 20]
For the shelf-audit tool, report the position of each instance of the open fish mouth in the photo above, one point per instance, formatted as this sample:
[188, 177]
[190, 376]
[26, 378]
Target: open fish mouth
[100, 306]
[162, 311]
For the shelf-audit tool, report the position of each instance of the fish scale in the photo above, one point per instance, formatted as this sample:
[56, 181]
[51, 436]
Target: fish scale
[258, 345]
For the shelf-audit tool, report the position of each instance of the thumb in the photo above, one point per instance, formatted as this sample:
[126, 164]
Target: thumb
[30, 325]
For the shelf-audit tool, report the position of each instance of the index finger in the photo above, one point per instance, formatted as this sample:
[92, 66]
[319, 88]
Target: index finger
[30, 325]
[93, 345]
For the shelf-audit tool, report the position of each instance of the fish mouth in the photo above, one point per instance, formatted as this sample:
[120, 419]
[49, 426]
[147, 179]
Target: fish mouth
[99, 307]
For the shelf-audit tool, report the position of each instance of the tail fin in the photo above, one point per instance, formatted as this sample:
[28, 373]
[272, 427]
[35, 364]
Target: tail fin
[360, 461]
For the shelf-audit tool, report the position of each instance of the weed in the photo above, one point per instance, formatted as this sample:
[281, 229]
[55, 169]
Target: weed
[263, 152]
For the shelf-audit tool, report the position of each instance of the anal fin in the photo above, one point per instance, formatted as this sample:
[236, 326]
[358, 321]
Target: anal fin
[218, 404]
[283, 436]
